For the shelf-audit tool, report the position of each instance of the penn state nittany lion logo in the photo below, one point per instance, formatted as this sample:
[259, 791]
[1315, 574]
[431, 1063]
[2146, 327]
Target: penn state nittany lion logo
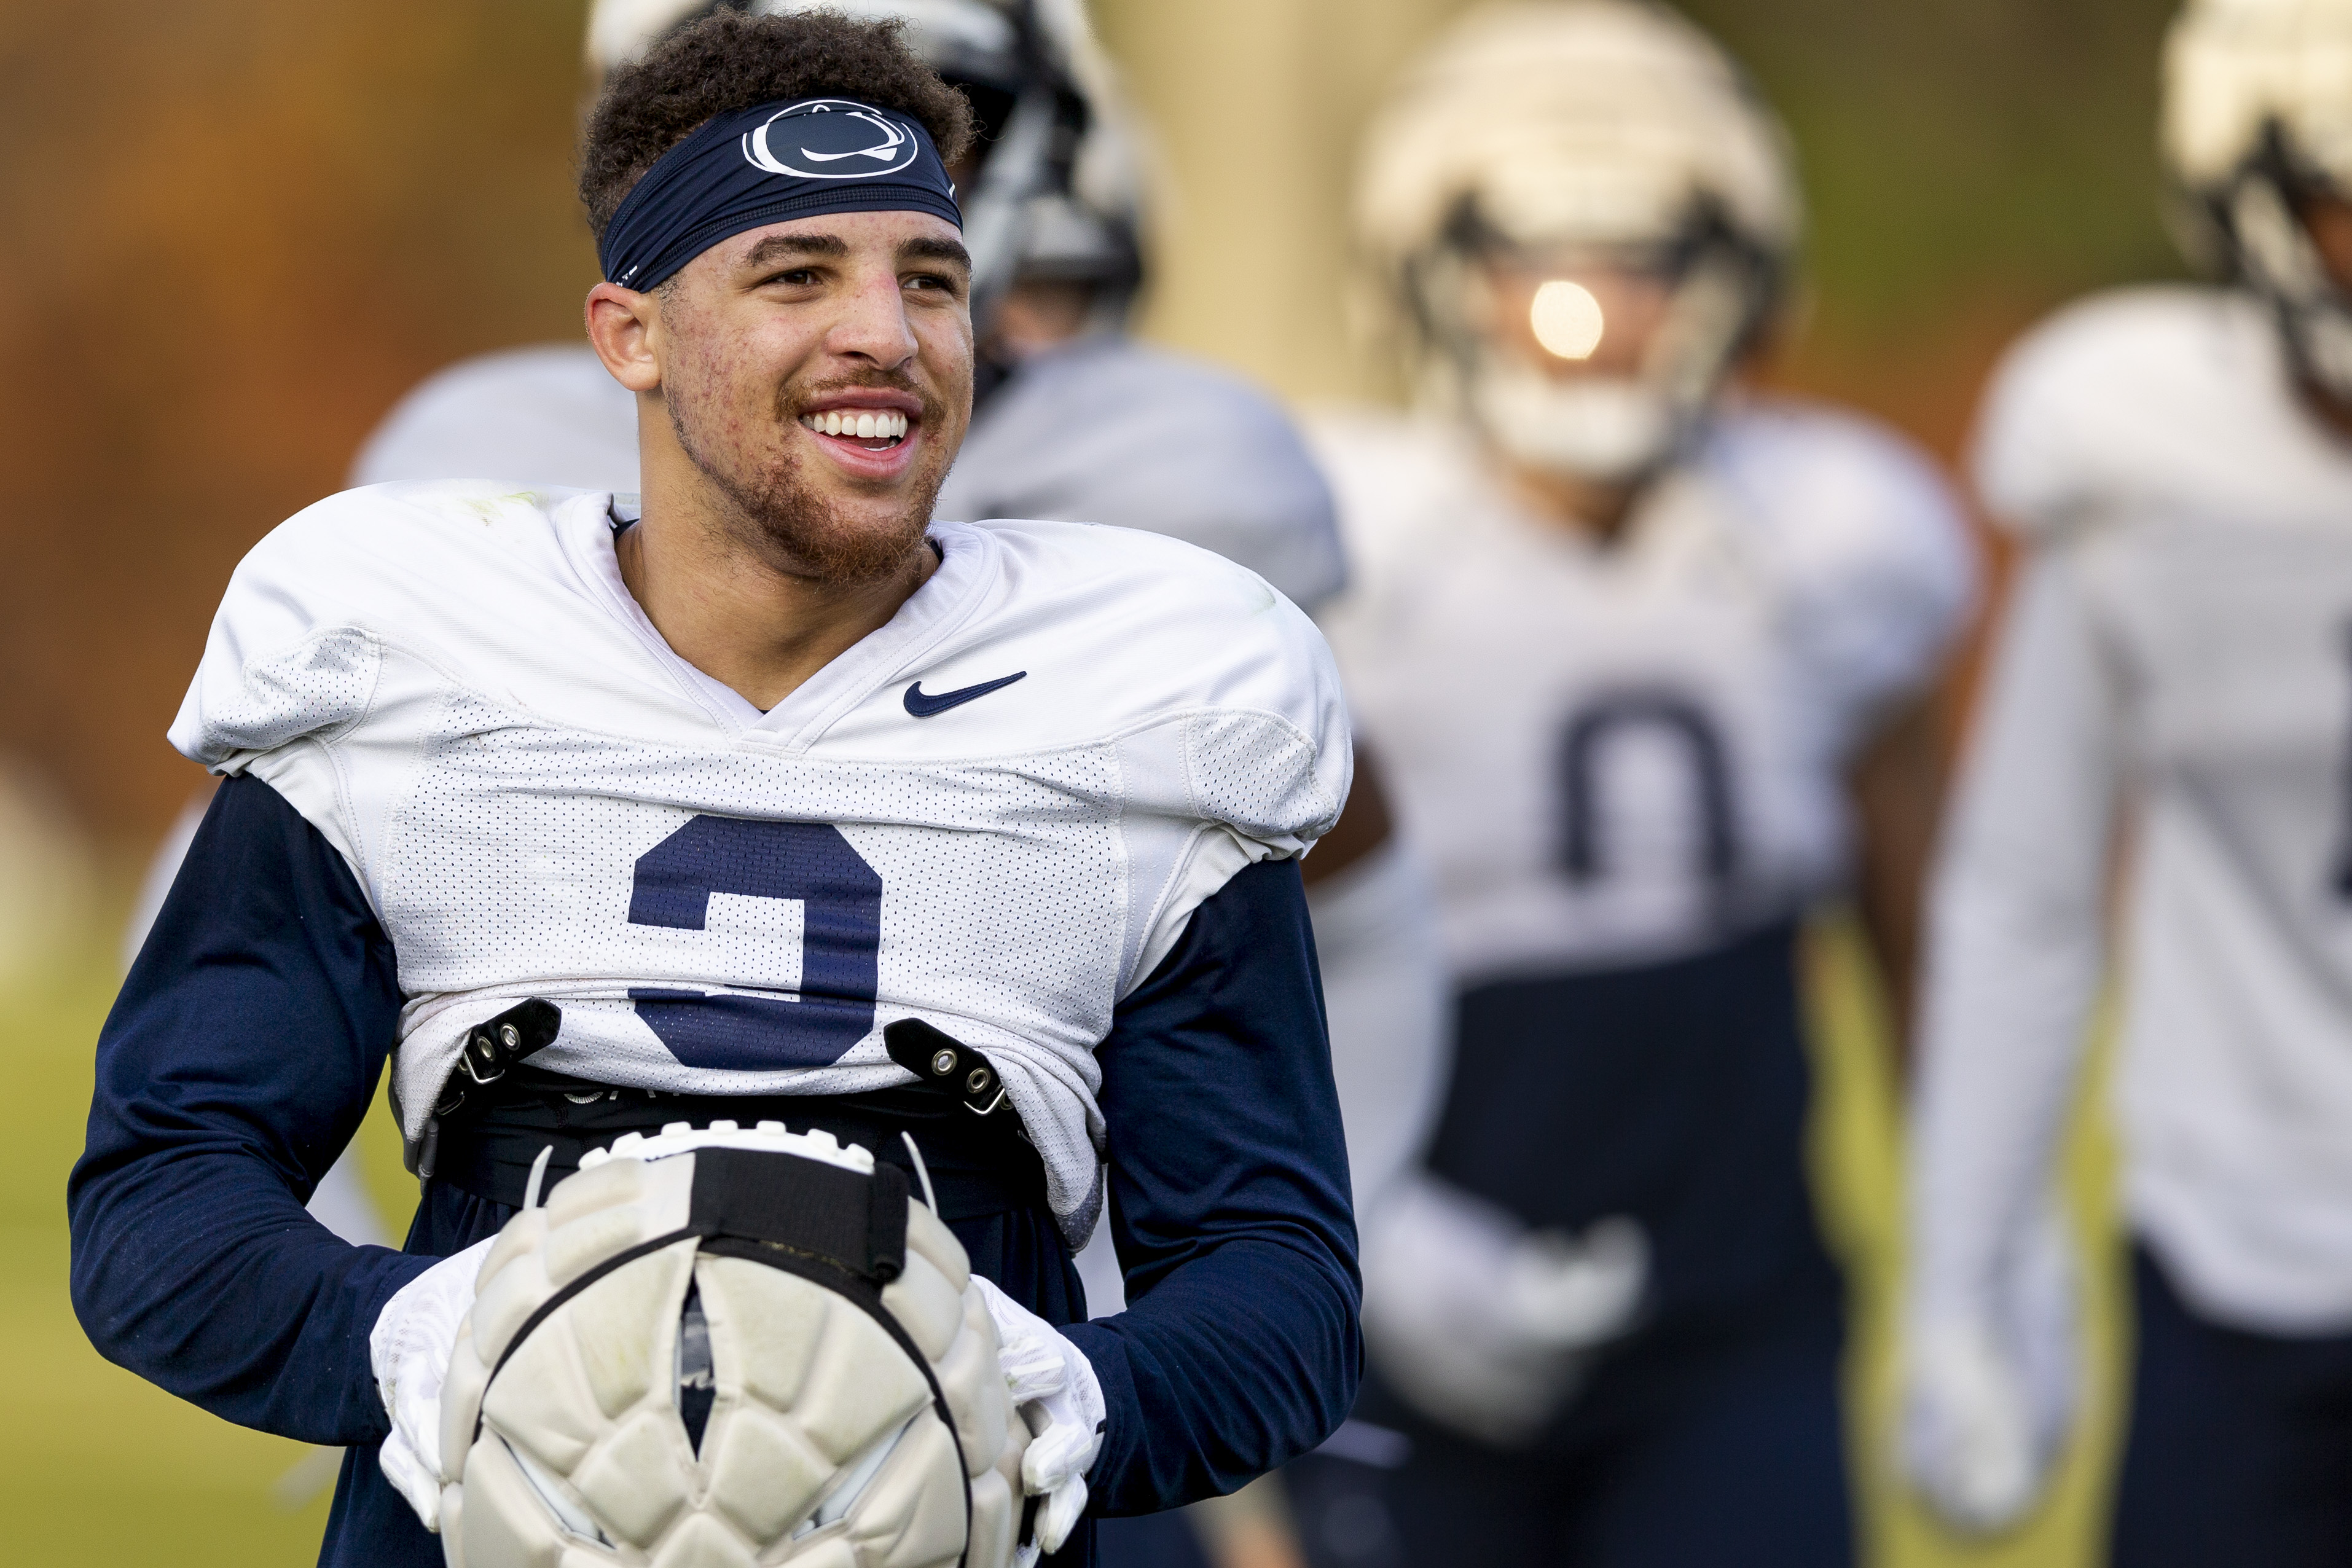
[830, 138]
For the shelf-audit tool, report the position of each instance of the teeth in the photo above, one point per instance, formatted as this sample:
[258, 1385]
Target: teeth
[866, 427]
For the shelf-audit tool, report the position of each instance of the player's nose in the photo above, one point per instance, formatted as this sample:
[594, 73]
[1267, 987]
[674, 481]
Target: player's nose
[872, 324]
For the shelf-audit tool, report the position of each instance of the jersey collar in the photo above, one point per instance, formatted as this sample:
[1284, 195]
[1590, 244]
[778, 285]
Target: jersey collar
[969, 564]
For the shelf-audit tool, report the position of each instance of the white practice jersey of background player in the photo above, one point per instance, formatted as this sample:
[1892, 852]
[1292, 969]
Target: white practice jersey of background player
[1614, 753]
[402, 663]
[2180, 639]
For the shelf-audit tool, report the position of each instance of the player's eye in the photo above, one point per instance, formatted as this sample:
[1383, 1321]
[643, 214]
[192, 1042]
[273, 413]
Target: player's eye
[792, 278]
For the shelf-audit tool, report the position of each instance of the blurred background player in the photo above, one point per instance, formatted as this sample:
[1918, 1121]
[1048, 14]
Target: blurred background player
[2172, 702]
[1074, 420]
[1641, 649]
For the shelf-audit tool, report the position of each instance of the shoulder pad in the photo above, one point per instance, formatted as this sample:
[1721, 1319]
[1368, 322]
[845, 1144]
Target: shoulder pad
[2117, 398]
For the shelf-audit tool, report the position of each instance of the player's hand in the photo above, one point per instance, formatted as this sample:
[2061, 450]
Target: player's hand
[1483, 1324]
[1055, 1388]
[409, 1349]
[1969, 1437]
[1992, 1377]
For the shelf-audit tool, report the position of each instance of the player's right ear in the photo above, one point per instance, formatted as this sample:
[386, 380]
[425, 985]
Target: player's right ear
[621, 324]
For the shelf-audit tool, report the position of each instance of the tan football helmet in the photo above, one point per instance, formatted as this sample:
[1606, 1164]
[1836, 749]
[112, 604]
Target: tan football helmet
[1605, 126]
[2257, 114]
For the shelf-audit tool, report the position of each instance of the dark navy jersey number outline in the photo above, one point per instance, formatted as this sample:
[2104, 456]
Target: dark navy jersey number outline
[1581, 854]
[923, 707]
[2342, 877]
[841, 940]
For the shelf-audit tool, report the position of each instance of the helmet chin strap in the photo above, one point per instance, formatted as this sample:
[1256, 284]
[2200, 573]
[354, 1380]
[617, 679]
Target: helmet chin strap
[2277, 260]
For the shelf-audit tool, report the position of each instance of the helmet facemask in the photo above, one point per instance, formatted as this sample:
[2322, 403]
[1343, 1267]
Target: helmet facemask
[2256, 216]
[1502, 322]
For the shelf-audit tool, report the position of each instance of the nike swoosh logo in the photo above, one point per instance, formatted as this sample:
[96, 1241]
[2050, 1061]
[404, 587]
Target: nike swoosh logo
[923, 707]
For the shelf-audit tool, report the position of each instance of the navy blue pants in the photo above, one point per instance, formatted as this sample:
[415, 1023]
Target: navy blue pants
[1675, 1094]
[2241, 1444]
[1707, 1457]
[372, 1525]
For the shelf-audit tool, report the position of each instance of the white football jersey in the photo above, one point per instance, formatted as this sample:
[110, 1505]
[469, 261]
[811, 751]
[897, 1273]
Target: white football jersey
[2180, 642]
[539, 798]
[1105, 429]
[1614, 753]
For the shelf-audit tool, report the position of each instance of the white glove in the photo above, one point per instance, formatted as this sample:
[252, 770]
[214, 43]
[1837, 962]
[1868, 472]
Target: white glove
[1055, 1388]
[409, 1349]
[1988, 1406]
[1485, 1325]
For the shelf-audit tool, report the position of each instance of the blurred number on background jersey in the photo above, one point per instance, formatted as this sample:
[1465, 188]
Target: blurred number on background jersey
[1584, 744]
[2344, 842]
[841, 937]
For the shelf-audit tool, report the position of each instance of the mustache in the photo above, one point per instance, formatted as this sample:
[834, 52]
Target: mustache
[799, 395]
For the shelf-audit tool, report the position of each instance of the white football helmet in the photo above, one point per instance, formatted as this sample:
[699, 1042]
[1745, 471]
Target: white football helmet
[725, 1347]
[2258, 111]
[1061, 193]
[1612, 127]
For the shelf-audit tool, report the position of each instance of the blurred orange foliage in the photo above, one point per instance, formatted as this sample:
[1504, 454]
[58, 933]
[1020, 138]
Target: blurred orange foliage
[238, 231]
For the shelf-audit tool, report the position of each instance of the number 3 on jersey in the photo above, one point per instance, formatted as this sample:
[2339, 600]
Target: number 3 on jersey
[841, 940]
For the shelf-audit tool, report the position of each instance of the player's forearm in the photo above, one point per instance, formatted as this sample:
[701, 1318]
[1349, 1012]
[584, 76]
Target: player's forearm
[2016, 943]
[1229, 1185]
[194, 1261]
[1236, 1364]
[195, 1268]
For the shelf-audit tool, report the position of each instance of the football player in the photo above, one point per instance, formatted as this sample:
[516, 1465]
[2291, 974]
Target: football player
[2170, 701]
[1075, 419]
[763, 797]
[1641, 648]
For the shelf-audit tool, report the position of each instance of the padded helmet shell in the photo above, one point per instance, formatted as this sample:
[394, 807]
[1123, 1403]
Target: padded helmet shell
[824, 1444]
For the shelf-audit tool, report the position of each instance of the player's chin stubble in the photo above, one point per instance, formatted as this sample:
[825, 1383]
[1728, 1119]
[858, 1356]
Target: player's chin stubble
[781, 516]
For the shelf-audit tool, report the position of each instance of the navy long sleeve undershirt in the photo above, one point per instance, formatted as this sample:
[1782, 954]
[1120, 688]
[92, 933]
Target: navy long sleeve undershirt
[236, 1064]
[242, 1053]
[1229, 1209]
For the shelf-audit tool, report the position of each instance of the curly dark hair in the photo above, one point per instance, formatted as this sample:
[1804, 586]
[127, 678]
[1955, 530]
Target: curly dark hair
[728, 61]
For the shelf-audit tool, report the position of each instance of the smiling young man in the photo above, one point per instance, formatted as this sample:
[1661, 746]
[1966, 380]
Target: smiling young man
[754, 785]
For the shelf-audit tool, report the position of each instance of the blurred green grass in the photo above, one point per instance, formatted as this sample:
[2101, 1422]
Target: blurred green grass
[100, 1469]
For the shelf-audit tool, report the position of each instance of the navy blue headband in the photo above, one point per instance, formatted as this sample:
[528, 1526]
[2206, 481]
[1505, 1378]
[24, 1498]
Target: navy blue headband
[763, 165]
